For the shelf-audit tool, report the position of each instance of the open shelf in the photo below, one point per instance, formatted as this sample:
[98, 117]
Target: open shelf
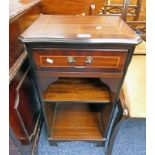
[77, 112]
[75, 121]
[77, 90]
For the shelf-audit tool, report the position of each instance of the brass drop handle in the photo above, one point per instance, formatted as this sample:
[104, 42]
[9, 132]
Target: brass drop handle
[88, 60]
[71, 60]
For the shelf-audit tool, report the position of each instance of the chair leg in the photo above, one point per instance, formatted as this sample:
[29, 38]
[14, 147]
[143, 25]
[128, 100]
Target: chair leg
[106, 3]
[125, 9]
[137, 12]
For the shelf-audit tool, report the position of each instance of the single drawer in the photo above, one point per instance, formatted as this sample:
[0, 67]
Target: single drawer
[79, 60]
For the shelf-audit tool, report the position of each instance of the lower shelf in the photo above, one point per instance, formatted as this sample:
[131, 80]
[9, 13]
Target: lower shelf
[76, 121]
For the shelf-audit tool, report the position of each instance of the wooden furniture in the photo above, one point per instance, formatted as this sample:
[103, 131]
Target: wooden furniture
[21, 16]
[15, 147]
[70, 7]
[24, 104]
[132, 104]
[136, 128]
[133, 93]
[139, 27]
[17, 7]
[133, 12]
[124, 8]
[79, 64]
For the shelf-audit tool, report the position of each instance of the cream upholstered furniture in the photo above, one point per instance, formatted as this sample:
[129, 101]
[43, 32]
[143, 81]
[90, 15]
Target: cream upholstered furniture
[140, 49]
[133, 94]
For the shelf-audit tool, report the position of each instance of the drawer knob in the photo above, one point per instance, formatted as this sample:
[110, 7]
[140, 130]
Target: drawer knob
[88, 60]
[71, 60]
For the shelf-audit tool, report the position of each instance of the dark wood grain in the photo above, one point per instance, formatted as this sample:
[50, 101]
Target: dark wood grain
[17, 7]
[106, 61]
[18, 25]
[13, 120]
[70, 7]
[22, 86]
[80, 29]
[63, 36]
[23, 116]
[77, 89]
[45, 74]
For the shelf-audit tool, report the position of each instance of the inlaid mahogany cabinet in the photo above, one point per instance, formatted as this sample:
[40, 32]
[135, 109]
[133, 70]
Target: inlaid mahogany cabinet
[79, 64]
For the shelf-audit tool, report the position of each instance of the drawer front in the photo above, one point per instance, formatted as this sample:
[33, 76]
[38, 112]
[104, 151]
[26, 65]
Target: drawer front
[110, 61]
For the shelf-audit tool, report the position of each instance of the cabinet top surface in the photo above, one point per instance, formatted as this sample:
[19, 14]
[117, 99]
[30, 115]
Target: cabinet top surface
[80, 29]
[16, 7]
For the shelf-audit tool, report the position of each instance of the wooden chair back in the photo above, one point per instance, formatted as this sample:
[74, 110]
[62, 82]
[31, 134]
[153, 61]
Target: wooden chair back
[71, 7]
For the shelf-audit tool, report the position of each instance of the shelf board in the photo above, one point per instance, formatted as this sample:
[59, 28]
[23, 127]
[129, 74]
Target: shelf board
[78, 90]
[74, 121]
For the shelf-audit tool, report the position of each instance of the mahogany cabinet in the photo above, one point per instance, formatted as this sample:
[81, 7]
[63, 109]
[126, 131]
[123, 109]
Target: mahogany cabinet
[22, 14]
[24, 104]
[79, 64]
